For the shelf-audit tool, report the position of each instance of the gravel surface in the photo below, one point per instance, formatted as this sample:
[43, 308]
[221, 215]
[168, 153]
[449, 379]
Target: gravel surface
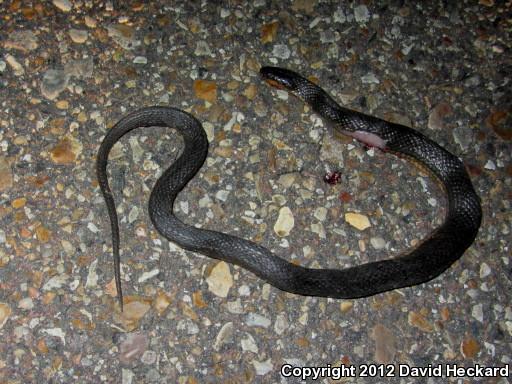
[70, 70]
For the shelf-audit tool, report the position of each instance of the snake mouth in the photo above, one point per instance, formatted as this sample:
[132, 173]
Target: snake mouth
[275, 84]
[279, 78]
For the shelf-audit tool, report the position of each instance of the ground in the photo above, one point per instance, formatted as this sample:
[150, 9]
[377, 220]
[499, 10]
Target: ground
[70, 70]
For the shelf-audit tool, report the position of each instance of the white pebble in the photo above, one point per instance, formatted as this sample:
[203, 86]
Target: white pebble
[78, 35]
[320, 213]
[281, 51]
[485, 270]
[244, 290]
[55, 282]
[15, 65]
[361, 13]
[222, 195]
[63, 5]
[318, 228]
[140, 60]
[478, 312]
[284, 223]
[490, 165]
[257, 320]
[149, 357]
[202, 49]
[263, 367]
[370, 78]
[184, 207]
[220, 279]
[249, 344]
[133, 214]
[235, 307]
[26, 303]
[432, 202]
[57, 332]
[148, 275]
[224, 336]
[92, 227]
[90, 22]
[377, 242]
[281, 324]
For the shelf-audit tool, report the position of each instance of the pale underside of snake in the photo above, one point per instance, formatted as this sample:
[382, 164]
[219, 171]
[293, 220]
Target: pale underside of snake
[434, 255]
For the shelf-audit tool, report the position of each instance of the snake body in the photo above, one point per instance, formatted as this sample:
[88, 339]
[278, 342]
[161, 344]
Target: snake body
[421, 264]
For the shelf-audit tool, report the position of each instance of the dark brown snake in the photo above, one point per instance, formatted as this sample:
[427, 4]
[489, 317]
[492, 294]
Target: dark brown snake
[434, 255]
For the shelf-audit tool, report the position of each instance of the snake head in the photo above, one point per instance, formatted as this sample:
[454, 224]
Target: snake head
[281, 78]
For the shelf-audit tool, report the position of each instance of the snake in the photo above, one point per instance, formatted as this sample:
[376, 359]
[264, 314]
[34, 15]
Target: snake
[420, 264]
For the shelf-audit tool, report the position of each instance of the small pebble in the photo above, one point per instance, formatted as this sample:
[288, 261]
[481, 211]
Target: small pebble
[490, 165]
[377, 242]
[249, 344]
[132, 347]
[438, 114]
[281, 324]
[224, 336]
[56, 332]
[361, 13]
[90, 22]
[54, 82]
[281, 51]
[5, 312]
[385, 344]
[202, 49]
[148, 275]
[15, 65]
[92, 275]
[257, 320]
[370, 78]
[284, 223]
[357, 220]
[222, 195]
[140, 60]
[263, 367]
[63, 5]
[320, 213]
[161, 302]
[55, 282]
[478, 313]
[62, 104]
[485, 270]
[22, 40]
[346, 306]
[149, 357]
[220, 279]
[469, 347]
[133, 312]
[269, 32]
[319, 229]
[66, 151]
[127, 376]
[78, 35]
[206, 90]
[6, 176]
[419, 321]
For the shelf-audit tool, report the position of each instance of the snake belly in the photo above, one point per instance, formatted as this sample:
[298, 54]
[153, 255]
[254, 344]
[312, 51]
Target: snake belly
[421, 264]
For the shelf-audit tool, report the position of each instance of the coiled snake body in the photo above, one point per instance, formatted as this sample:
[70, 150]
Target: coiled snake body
[444, 246]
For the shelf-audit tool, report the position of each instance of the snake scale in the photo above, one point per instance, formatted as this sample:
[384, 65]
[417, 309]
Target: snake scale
[421, 264]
